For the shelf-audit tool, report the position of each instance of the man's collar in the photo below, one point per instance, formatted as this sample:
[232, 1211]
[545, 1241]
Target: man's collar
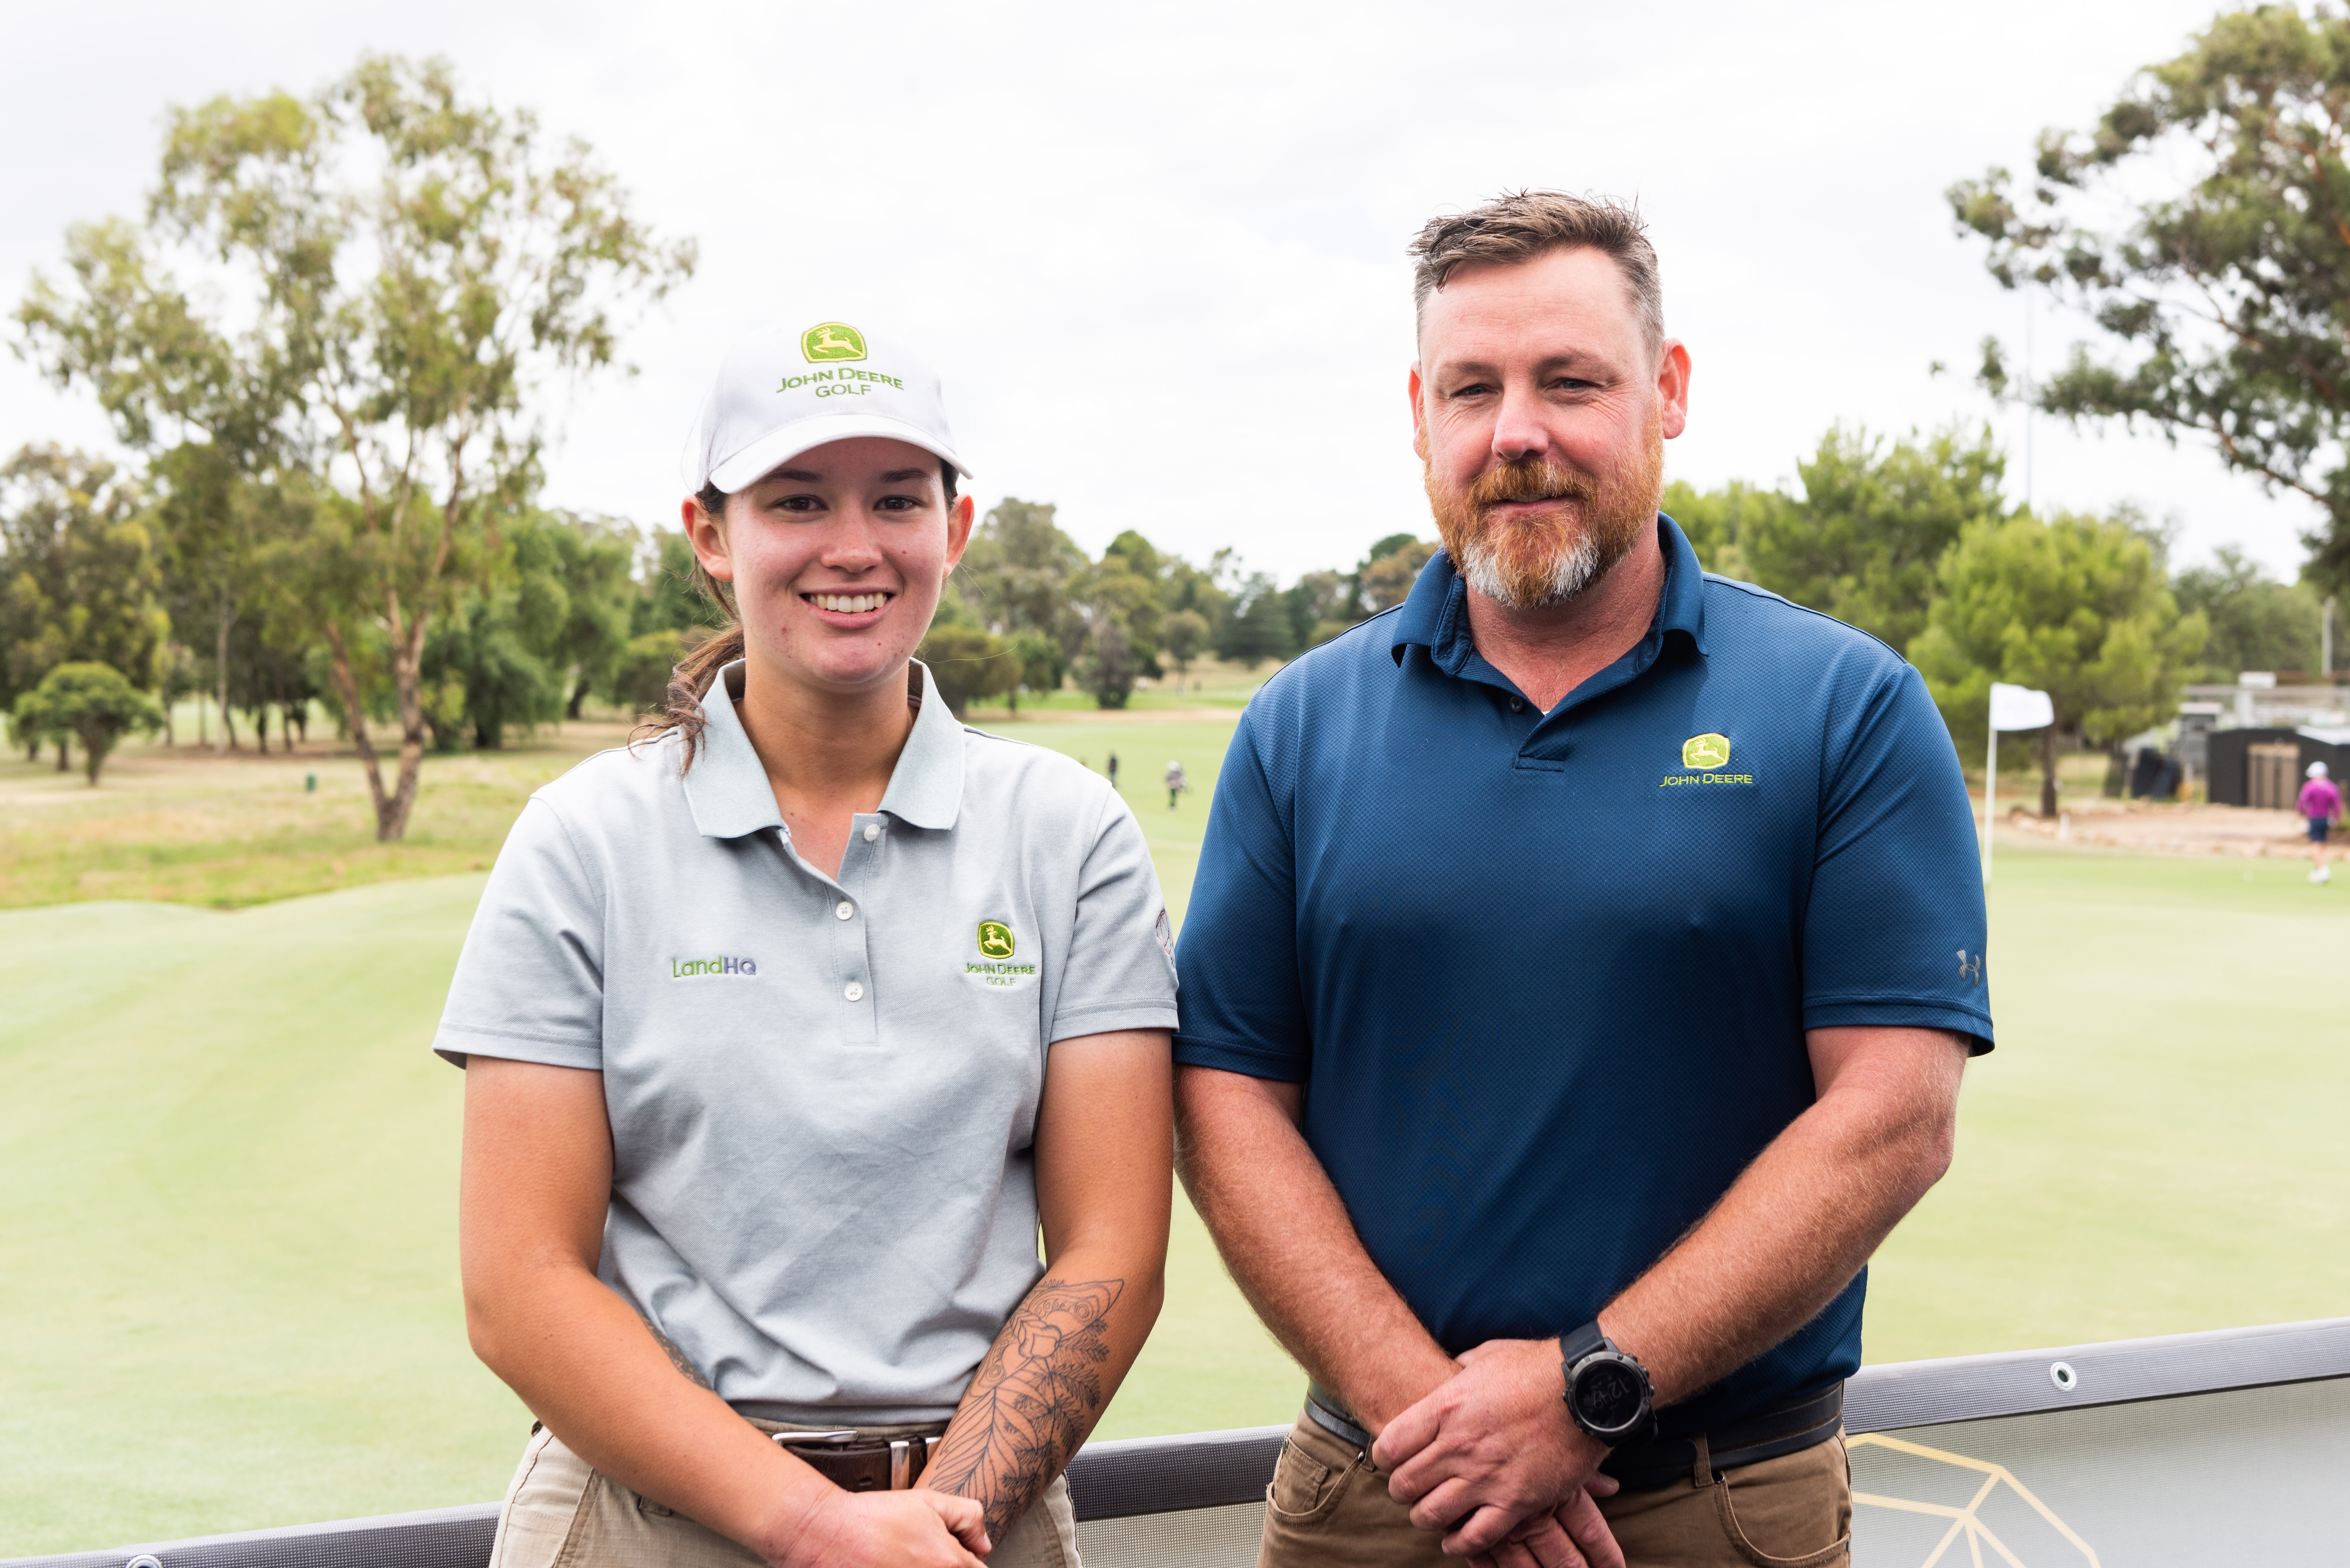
[728, 794]
[1435, 615]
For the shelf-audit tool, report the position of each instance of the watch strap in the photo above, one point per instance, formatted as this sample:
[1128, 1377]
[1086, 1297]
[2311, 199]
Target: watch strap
[1577, 1342]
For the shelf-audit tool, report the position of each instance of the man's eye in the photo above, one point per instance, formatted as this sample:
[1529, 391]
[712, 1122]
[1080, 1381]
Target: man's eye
[1473, 389]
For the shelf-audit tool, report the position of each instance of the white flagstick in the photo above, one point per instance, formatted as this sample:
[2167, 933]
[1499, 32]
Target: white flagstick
[1991, 783]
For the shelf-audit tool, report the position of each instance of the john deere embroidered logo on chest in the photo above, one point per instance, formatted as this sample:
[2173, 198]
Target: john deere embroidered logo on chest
[1707, 750]
[994, 967]
[1704, 756]
[829, 342]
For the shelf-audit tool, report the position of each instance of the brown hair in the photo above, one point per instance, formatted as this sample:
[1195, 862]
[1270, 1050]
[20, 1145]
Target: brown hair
[1518, 226]
[691, 680]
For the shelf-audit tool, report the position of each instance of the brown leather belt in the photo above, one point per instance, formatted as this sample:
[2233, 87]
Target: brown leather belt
[855, 1462]
[1787, 1427]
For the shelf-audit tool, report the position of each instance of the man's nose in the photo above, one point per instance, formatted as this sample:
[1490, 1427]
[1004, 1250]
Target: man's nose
[1518, 428]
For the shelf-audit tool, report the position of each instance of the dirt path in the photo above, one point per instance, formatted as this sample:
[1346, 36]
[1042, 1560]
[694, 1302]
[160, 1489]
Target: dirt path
[2163, 827]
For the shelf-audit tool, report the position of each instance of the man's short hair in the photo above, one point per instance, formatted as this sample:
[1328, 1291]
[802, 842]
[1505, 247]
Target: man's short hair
[1520, 226]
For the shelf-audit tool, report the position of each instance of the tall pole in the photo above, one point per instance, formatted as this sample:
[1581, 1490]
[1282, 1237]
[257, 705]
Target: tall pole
[2027, 415]
[1990, 784]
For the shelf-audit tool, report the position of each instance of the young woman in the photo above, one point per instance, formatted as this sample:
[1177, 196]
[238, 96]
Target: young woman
[787, 1028]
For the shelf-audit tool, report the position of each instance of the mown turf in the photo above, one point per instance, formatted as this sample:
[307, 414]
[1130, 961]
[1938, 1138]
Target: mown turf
[2158, 1144]
[228, 1284]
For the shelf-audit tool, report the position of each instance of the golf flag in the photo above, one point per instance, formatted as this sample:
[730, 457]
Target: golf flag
[2012, 708]
[2020, 708]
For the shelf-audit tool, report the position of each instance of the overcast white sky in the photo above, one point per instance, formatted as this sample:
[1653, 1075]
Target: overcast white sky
[1157, 251]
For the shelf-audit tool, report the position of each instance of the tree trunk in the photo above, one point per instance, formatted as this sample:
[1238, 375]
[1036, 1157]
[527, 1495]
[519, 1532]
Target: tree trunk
[220, 669]
[406, 663]
[63, 767]
[261, 728]
[347, 687]
[2048, 772]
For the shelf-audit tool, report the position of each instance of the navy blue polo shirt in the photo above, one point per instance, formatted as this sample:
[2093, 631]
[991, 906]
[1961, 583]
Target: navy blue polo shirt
[1546, 977]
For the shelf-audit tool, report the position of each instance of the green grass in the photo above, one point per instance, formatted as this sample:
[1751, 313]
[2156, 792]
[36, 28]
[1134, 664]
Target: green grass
[230, 1296]
[2157, 1145]
[182, 825]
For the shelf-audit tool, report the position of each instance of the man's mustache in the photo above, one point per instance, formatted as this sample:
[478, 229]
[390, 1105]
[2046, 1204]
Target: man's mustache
[1531, 480]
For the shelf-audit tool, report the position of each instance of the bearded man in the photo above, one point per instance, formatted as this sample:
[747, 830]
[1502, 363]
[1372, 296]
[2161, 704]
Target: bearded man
[1581, 967]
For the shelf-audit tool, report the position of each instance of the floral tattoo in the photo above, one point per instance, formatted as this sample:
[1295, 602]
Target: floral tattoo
[1035, 1396]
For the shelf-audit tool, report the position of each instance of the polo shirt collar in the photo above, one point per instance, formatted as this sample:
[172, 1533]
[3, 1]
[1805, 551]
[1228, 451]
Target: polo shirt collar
[727, 789]
[1435, 615]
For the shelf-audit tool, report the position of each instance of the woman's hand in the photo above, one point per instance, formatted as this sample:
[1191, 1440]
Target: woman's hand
[917, 1529]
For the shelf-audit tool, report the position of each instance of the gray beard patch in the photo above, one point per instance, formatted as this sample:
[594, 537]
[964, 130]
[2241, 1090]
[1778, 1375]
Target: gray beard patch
[1571, 572]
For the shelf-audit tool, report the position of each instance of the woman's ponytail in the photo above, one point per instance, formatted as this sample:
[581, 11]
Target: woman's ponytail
[690, 682]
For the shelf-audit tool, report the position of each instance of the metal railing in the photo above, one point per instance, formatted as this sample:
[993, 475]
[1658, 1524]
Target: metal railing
[1222, 1473]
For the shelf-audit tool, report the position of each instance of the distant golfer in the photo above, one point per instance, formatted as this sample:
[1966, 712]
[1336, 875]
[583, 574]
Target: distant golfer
[1113, 770]
[789, 1028]
[1176, 782]
[2320, 806]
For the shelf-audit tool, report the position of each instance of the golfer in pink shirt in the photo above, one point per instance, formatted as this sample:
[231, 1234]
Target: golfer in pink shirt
[2320, 803]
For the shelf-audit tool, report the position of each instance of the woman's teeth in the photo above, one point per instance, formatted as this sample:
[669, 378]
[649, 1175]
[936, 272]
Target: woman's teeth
[849, 604]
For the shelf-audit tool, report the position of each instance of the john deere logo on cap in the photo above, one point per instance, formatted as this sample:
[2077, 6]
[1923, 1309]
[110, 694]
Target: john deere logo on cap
[1705, 751]
[830, 340]
[994, 940]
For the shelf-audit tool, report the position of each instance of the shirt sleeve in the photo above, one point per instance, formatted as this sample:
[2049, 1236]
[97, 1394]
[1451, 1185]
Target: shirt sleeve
[1120, 971]
[1893, 933]
[1243, 1010]
[530, 982]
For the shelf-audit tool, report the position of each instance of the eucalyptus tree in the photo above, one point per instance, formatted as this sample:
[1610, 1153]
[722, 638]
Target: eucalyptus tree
[367, 293]
[2203, 223]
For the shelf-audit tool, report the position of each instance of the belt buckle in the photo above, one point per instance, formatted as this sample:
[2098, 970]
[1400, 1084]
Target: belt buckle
[904, 1472]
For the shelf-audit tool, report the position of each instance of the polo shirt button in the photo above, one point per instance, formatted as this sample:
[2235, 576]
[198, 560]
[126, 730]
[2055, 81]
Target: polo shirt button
[844, 909]
[1517, 704]
[854, 992]
[872, 831]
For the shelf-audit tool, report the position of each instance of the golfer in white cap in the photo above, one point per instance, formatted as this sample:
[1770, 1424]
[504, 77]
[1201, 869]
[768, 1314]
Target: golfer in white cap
[788, 1027]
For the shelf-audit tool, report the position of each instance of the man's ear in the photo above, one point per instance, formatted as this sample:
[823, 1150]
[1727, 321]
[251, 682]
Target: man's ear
[1673, 387]
[707, 535]
[1418, 415]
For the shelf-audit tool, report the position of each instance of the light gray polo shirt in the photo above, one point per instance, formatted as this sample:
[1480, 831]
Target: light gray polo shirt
[823, 1092]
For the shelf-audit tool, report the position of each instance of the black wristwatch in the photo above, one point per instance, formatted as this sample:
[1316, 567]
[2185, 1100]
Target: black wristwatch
[1608, 1390]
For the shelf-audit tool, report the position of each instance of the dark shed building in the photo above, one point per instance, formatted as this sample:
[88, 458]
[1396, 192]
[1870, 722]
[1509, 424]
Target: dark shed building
[2265, 767]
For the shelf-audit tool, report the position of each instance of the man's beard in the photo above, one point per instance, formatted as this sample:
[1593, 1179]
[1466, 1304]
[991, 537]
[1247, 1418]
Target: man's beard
[1539, 558]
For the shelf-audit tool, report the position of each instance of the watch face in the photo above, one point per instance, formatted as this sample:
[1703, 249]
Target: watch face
[1607, 1395]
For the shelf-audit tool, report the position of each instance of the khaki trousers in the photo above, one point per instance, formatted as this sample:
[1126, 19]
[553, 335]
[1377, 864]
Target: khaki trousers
[560, 1513]
[1328, 1506]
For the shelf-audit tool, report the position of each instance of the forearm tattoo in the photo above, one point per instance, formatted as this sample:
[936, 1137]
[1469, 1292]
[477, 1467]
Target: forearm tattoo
[1036, 1394]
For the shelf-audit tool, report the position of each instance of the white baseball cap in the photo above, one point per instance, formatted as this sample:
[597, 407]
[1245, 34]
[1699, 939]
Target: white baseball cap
[2317, 770]
[783, 390]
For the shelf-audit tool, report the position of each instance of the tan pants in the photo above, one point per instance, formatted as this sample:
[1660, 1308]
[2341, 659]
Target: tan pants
[559, 1513]
[1329, 1507]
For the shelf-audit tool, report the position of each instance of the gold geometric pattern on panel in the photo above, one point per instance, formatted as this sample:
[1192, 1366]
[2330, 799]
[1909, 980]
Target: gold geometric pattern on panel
[1965, 1521]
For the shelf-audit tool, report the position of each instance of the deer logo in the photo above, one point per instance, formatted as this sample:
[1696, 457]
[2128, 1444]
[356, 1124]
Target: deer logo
[830, 341]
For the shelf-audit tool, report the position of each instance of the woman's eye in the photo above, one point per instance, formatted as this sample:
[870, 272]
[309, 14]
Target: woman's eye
[799, 504]
[897, 504]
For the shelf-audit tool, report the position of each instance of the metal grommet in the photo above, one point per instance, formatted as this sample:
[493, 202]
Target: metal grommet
[144, 1560]
[2061, 1374]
